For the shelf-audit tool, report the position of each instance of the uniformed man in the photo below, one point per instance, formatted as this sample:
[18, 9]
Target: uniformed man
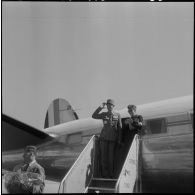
[134, 122]
[131, 126]
[110, 135]
[30, 165]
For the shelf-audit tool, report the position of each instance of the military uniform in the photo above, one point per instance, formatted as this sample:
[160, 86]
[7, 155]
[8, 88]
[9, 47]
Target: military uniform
[136, 126]
[33, 167]
[131, 127]
[135, 121]
[109, 136]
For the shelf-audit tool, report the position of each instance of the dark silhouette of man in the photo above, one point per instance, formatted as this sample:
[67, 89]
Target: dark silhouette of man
[109, 137]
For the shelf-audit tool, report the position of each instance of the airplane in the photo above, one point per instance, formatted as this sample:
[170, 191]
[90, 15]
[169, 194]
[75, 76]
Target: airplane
[166, 144]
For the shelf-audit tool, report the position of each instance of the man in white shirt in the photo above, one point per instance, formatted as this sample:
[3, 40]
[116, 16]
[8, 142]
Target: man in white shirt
[30, 165]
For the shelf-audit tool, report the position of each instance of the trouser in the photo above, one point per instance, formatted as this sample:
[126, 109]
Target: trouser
[107, 158]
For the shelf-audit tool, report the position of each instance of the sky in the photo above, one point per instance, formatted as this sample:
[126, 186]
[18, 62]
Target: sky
[87, 52]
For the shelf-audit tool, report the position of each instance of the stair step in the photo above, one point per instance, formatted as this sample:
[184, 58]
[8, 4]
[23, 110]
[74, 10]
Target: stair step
[105, 179]
[103, 182]
[100, 190]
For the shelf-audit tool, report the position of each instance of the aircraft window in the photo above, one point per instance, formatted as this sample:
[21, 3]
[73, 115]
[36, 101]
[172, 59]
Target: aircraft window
[74, 138]
[155, 126]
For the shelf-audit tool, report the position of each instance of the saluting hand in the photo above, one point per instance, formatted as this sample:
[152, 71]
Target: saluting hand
[103, 105]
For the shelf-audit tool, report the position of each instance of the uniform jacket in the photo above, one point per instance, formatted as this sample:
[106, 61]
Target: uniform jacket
[136, 126]
[33, 167]
[112, 125]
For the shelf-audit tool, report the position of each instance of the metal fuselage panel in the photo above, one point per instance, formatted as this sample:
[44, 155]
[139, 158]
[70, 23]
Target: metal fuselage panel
[167, 163]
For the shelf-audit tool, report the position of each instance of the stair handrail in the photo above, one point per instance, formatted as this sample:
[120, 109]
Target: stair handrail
[135, 141]
[74, 164]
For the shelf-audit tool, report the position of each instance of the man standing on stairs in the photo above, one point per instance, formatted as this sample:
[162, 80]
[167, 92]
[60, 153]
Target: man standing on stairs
[134, 122]
[109, 137]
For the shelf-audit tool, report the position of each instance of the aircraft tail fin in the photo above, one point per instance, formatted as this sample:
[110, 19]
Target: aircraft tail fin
[59, 111]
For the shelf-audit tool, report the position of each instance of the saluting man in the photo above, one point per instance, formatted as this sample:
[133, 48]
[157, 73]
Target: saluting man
[109, 137]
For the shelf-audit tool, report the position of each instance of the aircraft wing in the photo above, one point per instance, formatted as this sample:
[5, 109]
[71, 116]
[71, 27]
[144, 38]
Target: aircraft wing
[16, 135]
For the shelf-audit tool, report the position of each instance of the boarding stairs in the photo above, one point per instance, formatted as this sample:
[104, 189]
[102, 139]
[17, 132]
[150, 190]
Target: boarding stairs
[101, 185]
[85, 175]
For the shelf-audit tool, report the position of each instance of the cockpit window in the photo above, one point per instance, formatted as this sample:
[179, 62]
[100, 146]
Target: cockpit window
[155, 126]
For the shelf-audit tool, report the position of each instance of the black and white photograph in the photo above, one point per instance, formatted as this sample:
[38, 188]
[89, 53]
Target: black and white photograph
[97, 97]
